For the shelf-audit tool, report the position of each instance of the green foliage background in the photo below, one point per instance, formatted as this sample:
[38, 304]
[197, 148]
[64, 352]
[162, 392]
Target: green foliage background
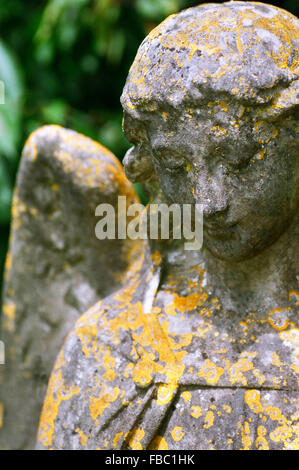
[65, 62]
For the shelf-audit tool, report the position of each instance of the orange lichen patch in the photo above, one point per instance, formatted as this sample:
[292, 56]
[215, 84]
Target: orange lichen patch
[54, 187]
[131, 318]
[281, 433]
[244, 331]
[227, 408]
[245, 435]
[109, 375]
[83, 437]
[180, 341]
[252, 399]
[196, 411]
[158, 443]
[210, 372]
[9, 312]
[166, 393]
[192, 284]
[1, 414]
[235, 372]
[154, 336]
[116, 439]
[291, 339]
[8, 262]
[260, 155]
[218, 131]
[124, 297]
[260, 377]
[190, 302]
[209, 419]
[223, 104]
[177, 433]
[186, 396]
[143, 372]
[159, 341]
[293, 293]
[276, 382]
[275, 414]
[83, 143]
[156, 258]
[265, 132]
[278, 318]
[135, 437]
[88, 335]
[205, 312]
[170, 308]
[295, 416]
[97, 405]
[108, 362]
[134, 256]
[17, 209]
[276, 360]
[57, 393]
[261, 431]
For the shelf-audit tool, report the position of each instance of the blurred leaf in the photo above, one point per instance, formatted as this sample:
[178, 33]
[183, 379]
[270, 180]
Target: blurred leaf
[10, 125]
[5, 194]
[82, 122]
[10, 112]
[144, 199]
[157, 9]
[115, 47]
[111, 135]
[32, 125]
[89, 63]
[44, 53]
[51, 14]
[55, 112]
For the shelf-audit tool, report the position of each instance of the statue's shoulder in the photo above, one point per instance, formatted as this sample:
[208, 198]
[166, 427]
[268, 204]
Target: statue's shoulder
[88, 382]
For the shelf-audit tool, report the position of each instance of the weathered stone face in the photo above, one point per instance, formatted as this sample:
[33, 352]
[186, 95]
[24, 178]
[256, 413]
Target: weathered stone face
[241, 169]
[205, 106]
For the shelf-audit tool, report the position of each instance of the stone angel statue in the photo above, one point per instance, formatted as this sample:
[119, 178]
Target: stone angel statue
[176, 349]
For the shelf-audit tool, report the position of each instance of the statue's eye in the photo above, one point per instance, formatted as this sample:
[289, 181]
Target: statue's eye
[174, 164]
[233, 161]
[170, 160]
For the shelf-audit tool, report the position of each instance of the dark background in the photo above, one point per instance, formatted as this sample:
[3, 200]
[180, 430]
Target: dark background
[65, 62]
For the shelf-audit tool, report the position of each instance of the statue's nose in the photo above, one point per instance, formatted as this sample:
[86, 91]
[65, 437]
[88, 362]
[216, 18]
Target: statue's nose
[138, 164]
[212, 194]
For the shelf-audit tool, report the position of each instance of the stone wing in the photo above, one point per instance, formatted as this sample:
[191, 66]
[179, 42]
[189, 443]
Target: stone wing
[56, 267]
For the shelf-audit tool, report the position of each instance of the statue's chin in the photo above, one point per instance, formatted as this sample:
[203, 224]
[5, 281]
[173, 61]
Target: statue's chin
[234, 250]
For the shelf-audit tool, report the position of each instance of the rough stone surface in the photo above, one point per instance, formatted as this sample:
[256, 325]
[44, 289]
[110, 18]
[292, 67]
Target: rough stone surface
[56, 268]
[199, 350]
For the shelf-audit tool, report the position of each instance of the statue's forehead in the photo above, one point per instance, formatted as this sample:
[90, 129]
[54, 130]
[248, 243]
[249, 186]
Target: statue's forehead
[238, 47]
[219, 116]
[190, 134]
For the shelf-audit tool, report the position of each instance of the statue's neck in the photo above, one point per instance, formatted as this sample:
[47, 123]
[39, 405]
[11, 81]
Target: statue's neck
[260, 283]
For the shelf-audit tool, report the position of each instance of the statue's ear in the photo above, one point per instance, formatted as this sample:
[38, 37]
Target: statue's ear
[138, 165]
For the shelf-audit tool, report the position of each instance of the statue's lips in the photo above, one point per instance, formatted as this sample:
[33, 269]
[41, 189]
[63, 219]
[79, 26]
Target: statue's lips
[219, 231]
